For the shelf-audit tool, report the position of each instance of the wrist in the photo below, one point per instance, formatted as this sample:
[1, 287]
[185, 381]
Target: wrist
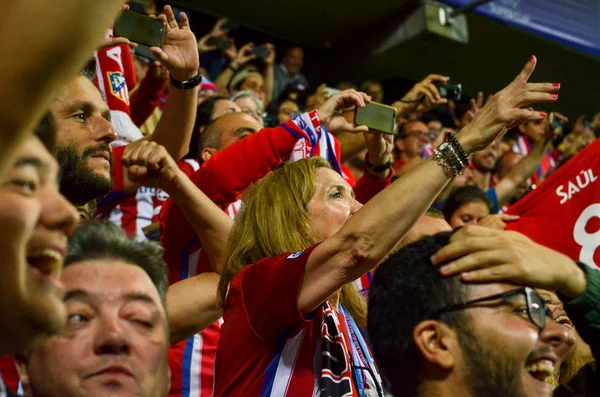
[464, 137]
[184, 74]
[575, 283]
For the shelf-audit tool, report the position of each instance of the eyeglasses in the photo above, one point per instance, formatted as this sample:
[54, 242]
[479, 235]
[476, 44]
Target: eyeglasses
[422, 134]
[536, 308]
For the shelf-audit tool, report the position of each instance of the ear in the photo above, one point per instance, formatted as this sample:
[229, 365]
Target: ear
[22, 365]
[436, 341]
[207, 153]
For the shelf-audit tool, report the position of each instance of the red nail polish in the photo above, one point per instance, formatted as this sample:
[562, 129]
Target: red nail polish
[554, 96]
[543, 114]
[556, 85]
[531, 58]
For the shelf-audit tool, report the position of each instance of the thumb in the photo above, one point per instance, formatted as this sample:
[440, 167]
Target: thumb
[509, 218]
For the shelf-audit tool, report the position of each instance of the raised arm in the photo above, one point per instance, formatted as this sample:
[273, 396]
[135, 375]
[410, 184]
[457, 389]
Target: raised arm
[192, 303]
[374, 230]
[40, 56]
[179, 55]
[269, 75]
[506, 188]
[238, 59]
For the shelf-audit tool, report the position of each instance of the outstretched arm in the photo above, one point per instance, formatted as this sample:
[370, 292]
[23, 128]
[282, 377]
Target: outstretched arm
[38, 33]
[374, 230]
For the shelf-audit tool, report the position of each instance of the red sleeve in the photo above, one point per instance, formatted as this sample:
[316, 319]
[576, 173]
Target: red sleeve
[368, 186]
[270, 290]
[231, 171]
[146, 98]
[118, 170]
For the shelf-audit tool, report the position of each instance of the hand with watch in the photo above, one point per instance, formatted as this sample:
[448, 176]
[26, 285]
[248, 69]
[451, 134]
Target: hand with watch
[378, 160]
[504, 110]
[179, 53]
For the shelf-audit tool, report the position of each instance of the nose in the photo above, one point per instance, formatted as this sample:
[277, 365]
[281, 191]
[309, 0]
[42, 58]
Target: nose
[558, 337]
[555, 334]
[58, 213]
[355, 206]
[110, 338]
[104, 131]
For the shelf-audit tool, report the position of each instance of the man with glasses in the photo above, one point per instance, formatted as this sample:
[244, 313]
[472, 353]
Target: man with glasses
[435, 332]
[411, 140]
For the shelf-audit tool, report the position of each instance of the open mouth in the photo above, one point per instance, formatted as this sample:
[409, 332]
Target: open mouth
[564, 320]
[541, 370]
[46, 263]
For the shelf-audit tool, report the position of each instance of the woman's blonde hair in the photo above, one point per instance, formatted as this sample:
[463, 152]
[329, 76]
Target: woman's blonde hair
[274, 219]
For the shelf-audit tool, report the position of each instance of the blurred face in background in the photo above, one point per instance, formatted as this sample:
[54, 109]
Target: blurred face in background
[293, 60]
[417, 136]
[287, 110]
[485, 160]
[375, 90]
[469, 214]
[534, 129]
[250, 107]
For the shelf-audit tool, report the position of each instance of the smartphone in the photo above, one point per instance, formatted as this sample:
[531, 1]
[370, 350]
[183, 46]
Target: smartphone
[219, 42]
[140, 29]
[260, 51]
[450, 91]
[377, 117]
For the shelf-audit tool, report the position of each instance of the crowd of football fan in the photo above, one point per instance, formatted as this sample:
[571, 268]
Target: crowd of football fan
[199, 219]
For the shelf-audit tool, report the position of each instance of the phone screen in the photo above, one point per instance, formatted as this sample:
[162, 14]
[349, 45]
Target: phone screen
[377, 117]
[140, 29]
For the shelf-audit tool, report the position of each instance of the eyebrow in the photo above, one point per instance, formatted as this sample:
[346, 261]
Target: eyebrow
[88, 107]
[242, 130]
[81, 295]
[30, 161]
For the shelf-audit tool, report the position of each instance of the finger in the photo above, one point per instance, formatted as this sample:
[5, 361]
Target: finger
[160, 55]
[543, 87]
[356, 129]
[524, 115]
[479, 100]
[366, 98]
[509, 218]
[156, 158]
[525, 74]
[435, 77]
[425, 92]
[527, 97]
[170, 17]
[474, 260]
[434, 90]
[184, 22]
[134, 172]
[462, 247]
[133, 155]
[505, 272]
[125, 7]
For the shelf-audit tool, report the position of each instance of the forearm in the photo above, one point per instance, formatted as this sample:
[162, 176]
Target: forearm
[210, 223]
[192, 305]
[268, 86]
[175, 128]
[351, 145]
[45, 39]
[222, 82]
[506, 188]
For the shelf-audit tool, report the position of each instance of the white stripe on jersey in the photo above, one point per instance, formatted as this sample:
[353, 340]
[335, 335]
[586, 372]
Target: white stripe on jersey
[287, 362]
[195, 366]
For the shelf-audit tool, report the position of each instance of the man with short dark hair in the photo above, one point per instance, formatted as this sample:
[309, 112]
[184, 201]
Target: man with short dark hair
[449, 338]
[412, 138]
[116, 337]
